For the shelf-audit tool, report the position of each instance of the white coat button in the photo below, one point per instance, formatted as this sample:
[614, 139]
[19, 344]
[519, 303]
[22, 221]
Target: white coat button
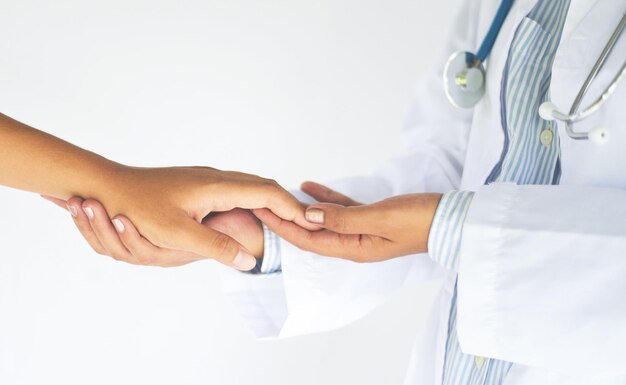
[546, 137]
[479, 361]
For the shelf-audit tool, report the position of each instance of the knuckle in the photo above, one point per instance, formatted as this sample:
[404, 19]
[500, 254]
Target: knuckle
[220, 245]
[75, 201]
[340, 224]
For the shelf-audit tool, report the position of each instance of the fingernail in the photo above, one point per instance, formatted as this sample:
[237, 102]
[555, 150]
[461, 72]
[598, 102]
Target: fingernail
[244, 261]
[89, 212]
[314, 216]
[119, 225]
[73, 210]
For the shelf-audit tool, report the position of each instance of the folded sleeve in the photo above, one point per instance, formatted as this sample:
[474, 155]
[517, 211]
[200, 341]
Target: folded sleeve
[444, 239]
[542, 277]
[270, 261]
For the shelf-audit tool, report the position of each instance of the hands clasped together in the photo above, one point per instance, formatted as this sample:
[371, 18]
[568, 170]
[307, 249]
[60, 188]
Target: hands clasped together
[174, 216]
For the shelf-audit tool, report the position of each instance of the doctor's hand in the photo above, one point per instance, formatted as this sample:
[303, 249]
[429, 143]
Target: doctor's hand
[167, 206]
[362, 233]
[239, 224]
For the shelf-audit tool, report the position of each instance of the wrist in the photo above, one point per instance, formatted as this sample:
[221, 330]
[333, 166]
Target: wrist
[107, 182]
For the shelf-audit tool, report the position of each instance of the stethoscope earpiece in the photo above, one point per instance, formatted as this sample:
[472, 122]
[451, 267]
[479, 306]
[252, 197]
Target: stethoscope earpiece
[546, 111]
[599, 135]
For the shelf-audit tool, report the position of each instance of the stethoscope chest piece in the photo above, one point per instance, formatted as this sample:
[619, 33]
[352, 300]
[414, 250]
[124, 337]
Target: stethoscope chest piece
[464, 79]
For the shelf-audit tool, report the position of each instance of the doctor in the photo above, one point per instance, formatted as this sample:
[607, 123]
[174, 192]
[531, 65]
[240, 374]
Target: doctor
[526, 226]
[531, 229]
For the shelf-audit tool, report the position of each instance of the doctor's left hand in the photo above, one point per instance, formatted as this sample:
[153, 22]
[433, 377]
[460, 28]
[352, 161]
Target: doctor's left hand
[362, 233]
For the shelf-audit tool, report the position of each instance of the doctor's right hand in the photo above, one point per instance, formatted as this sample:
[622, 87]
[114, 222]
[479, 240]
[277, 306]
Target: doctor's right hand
[168, 206]
[358, 232]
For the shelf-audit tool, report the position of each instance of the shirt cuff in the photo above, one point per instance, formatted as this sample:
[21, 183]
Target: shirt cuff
[270, 262]
[444, 239]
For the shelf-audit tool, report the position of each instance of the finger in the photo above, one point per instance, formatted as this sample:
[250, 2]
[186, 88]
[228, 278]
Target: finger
[322, 193]
[365, 219]
[81, 221]
[144, 251]
[62, 203]
[259, 193]
[355, 247]
[242, 226]
[289, 208]
[106, 233]
[191, 236]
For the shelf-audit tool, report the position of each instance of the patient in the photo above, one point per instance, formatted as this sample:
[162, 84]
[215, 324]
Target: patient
[166, 204]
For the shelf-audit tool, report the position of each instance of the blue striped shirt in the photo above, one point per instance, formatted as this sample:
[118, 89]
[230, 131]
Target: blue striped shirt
[270, 262]
[530, 156]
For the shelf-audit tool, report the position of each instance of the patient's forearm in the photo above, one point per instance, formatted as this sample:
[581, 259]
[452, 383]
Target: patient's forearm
[35, 161]
[166, 204]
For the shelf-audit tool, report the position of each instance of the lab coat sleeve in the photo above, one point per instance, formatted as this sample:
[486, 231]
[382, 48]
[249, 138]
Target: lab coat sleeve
[258, 295]
[542, 277]
[320, 293]
[259, 299]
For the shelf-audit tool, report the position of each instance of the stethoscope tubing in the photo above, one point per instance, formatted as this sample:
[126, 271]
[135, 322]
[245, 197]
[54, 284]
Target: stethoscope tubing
[494, 30]
[547, 110]
[575, 116]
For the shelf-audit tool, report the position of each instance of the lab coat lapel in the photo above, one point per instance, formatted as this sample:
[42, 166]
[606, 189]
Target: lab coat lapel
[591, 26]
[487, 136]
[587, 28]
[578, 9]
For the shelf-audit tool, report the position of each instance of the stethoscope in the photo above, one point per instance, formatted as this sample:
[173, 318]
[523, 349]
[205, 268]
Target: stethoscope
[464, 80]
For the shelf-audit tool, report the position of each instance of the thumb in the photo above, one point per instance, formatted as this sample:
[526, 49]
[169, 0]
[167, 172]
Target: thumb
[344, 220]
[193, 237]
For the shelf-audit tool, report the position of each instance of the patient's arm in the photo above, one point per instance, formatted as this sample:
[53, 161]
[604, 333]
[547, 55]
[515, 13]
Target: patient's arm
[166, 204]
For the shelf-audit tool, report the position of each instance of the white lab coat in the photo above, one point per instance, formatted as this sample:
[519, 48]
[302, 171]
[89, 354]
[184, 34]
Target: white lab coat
[542, 278]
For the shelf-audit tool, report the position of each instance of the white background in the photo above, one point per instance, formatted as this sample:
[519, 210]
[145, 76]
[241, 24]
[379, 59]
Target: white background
[292, 90]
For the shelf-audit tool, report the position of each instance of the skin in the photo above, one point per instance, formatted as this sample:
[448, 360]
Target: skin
[362, 233]
[167, 205]
[128, 245]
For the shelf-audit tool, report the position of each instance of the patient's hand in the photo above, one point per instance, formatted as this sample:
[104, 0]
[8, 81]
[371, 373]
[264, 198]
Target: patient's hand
[167, 206]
